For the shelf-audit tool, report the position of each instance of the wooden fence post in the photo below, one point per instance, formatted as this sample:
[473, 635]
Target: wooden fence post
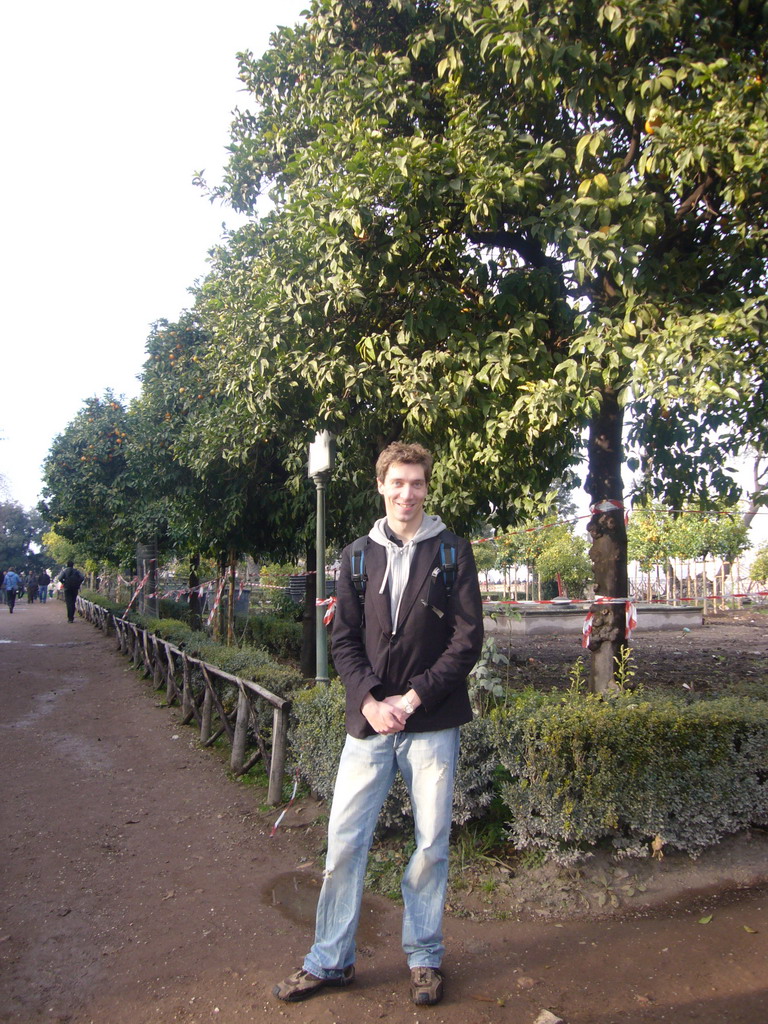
[187, 698]
[241, 733]
[205, 724]
[171, 690]
[157, 663]
[146, 656]
[136, 646]
[279, 745]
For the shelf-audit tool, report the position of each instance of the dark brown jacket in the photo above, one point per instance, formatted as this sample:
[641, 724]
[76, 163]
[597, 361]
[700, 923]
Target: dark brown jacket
[431, 653]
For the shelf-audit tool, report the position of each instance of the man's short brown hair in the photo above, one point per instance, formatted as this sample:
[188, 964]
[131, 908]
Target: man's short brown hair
[410, 454]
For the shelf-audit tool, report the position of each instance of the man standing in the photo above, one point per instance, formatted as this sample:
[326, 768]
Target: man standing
[403, 650]
[11, 585]
[43, 582]
[71, 579]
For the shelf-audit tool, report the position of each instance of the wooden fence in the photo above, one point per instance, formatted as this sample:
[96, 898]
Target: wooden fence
[205, 694]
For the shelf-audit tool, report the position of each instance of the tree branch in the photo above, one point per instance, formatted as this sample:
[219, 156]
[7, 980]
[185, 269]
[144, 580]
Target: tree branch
[692, 199]
[634, 148]
[522, 244]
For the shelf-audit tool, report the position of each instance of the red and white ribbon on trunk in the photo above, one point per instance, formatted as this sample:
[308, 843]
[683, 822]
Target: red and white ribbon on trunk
[610, 505]
[630, 618]
[217, 601]
[136, 593]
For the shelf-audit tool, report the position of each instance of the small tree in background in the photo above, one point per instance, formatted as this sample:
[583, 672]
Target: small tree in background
[486, 556]
[20, 532]
[84, 493]
[759, 569]
[564, 558]
[521, 547]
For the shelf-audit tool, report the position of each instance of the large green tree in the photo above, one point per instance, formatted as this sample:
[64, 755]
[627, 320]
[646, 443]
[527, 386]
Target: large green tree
[202, 500]
[496, 224]
[214, 492]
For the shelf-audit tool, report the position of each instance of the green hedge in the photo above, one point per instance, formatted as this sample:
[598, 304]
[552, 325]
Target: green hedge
[317, 736]
[281, 636]
[96, 597]
[630, 768]
[575, 770]
[245, 662]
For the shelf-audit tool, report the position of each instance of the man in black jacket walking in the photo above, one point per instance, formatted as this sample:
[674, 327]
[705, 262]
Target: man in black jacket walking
[403, 651]
[71, 579]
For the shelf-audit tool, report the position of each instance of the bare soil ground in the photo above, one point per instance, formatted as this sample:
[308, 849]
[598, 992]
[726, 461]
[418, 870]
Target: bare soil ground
[731, 648]
[140, 884]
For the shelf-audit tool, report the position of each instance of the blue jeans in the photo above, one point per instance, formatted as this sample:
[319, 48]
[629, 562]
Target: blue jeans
[427, 761]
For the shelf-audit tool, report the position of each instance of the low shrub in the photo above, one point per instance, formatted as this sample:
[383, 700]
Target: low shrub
[245, 662]
[281, 680]
[317, 737]
[175, 631]
[103, 600]
[630, 769]
[279, 635]
[170, 609]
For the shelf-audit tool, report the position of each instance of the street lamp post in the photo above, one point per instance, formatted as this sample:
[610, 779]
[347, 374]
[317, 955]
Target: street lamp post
[321, 452]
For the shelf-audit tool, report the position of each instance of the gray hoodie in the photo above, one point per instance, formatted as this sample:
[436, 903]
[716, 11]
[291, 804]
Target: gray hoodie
[400, 556]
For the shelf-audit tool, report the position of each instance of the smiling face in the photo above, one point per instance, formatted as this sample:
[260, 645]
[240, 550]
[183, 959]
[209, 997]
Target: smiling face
[404, 489]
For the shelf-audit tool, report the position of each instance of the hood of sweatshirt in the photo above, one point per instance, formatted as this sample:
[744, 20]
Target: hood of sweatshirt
[399, 557]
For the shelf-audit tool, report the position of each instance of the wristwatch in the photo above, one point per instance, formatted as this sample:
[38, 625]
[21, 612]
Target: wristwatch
[408, 708]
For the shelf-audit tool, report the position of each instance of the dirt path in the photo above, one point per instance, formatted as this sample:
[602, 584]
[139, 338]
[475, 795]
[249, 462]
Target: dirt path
[139, 884]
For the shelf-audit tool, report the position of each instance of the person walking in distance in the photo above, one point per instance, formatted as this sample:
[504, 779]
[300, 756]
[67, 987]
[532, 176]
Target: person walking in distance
[408, 629]
[43, 582]
[71, 579]
[11, 585]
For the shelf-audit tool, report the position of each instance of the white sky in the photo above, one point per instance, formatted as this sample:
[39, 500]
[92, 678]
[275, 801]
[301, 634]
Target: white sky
[107, 112]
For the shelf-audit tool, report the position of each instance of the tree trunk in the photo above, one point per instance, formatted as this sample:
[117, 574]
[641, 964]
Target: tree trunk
[231, 601]
[609, 543]
[758, 493]
[218, 615]
[309, 618]
[195, 617]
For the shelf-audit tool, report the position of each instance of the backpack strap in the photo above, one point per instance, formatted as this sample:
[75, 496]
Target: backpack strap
[448, 566]
[359, 575]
